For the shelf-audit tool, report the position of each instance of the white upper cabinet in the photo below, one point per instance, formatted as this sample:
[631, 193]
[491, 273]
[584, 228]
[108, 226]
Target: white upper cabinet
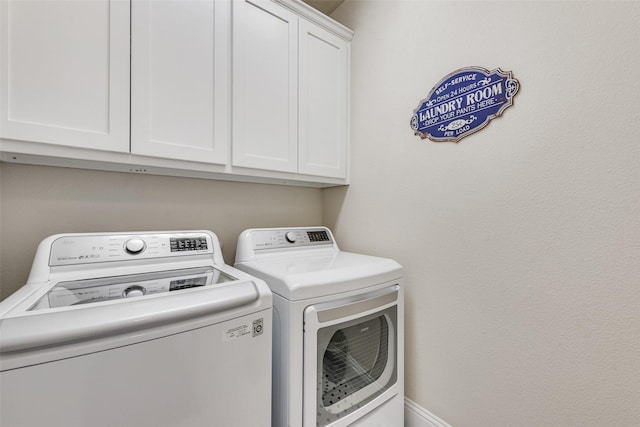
[290, 89]
[180, 79]
[265, 86]
[65, 72]
[245, 90]
[323, 85]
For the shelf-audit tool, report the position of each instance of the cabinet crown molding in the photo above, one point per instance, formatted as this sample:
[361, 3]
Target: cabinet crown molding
[304, 10]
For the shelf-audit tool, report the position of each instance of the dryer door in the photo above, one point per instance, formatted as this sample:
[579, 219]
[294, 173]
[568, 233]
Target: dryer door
[350, 357]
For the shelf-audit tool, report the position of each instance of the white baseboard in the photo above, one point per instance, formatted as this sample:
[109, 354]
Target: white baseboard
[416, 416]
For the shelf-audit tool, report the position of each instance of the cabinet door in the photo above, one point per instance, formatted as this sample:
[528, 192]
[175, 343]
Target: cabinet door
[65, 72]
[180, 78]
[324, 73]
[265, 86]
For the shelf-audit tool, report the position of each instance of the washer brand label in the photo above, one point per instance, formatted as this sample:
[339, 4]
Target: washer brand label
[257, 327]
[245, 330]
[464, 102]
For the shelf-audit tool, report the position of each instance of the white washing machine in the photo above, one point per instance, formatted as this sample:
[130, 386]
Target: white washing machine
[338, 329]
[135, 329]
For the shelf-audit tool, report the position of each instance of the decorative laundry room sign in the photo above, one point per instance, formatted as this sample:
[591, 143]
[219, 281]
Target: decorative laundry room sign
[464, 102]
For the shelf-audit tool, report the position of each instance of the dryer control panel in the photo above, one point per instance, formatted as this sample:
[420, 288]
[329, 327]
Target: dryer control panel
[293, 237]
[95, 248]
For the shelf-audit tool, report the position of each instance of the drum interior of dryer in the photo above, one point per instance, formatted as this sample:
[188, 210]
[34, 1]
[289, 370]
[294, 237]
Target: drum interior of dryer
[356, 363]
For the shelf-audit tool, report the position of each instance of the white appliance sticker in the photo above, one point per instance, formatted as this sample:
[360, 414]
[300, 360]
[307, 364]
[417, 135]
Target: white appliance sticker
[237, 332]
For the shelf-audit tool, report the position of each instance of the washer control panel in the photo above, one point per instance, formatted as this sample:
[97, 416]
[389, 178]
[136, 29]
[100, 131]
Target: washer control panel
[286, 238]
[95, 248]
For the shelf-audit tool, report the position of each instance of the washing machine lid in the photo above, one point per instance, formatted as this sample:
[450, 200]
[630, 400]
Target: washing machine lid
[299, 275]
[43, 332]
[95, 290]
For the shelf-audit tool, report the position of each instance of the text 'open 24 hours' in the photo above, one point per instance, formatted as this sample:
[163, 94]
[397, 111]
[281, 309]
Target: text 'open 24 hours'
[464, 102]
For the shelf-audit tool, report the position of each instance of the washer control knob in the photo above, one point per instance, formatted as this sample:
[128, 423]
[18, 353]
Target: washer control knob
[133, 291]
[134, 246]
[291, 237]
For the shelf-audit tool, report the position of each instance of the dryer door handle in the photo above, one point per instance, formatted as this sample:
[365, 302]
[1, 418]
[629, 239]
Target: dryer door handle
[338, 313]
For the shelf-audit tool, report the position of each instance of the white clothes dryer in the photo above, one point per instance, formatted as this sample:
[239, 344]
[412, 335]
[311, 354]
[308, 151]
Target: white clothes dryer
[141, 329]
[338, 329]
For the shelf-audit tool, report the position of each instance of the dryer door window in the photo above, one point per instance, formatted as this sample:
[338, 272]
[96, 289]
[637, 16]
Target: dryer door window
[356, 362]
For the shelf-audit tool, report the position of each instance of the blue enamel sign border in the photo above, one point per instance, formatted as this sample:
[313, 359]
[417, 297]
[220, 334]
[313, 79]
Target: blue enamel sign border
[464, 102]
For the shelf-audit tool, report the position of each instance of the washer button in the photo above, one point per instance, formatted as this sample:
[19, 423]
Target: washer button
[291, 237]
[134, 246]
[133, 291]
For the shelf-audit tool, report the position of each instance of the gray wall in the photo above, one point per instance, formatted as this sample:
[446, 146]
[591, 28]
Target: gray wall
[38, 201]
[521, 243]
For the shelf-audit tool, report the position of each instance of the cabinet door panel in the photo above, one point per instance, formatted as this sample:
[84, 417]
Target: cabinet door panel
[65, 72]
[323, 102]
[265, 98]
[180, 79]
